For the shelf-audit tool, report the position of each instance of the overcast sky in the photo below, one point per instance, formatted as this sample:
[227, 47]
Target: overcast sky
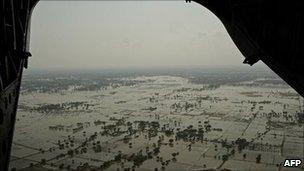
[98, 34]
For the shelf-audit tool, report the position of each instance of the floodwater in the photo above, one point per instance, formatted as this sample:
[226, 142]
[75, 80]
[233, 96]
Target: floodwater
[106, 128]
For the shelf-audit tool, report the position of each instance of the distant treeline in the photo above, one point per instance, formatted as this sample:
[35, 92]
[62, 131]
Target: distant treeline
[78, 84]
[54, 81]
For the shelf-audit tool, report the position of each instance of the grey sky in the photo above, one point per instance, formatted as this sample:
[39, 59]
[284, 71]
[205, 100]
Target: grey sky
[82, 34]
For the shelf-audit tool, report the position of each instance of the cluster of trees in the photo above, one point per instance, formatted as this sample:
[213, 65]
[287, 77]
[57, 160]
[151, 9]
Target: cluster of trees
[59, 107]
[191, 134]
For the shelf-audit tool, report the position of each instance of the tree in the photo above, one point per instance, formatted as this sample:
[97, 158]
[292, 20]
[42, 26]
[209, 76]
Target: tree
[244, 156]
[225, 157]
[258, 158]
[43, 161]
[232, 151]
[174, 156]
[171, 142]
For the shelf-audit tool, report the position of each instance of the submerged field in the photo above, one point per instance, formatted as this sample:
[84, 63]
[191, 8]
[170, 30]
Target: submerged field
[157, 122]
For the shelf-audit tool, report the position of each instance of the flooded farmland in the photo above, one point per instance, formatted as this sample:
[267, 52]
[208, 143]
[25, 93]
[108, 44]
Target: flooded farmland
[158, 121]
